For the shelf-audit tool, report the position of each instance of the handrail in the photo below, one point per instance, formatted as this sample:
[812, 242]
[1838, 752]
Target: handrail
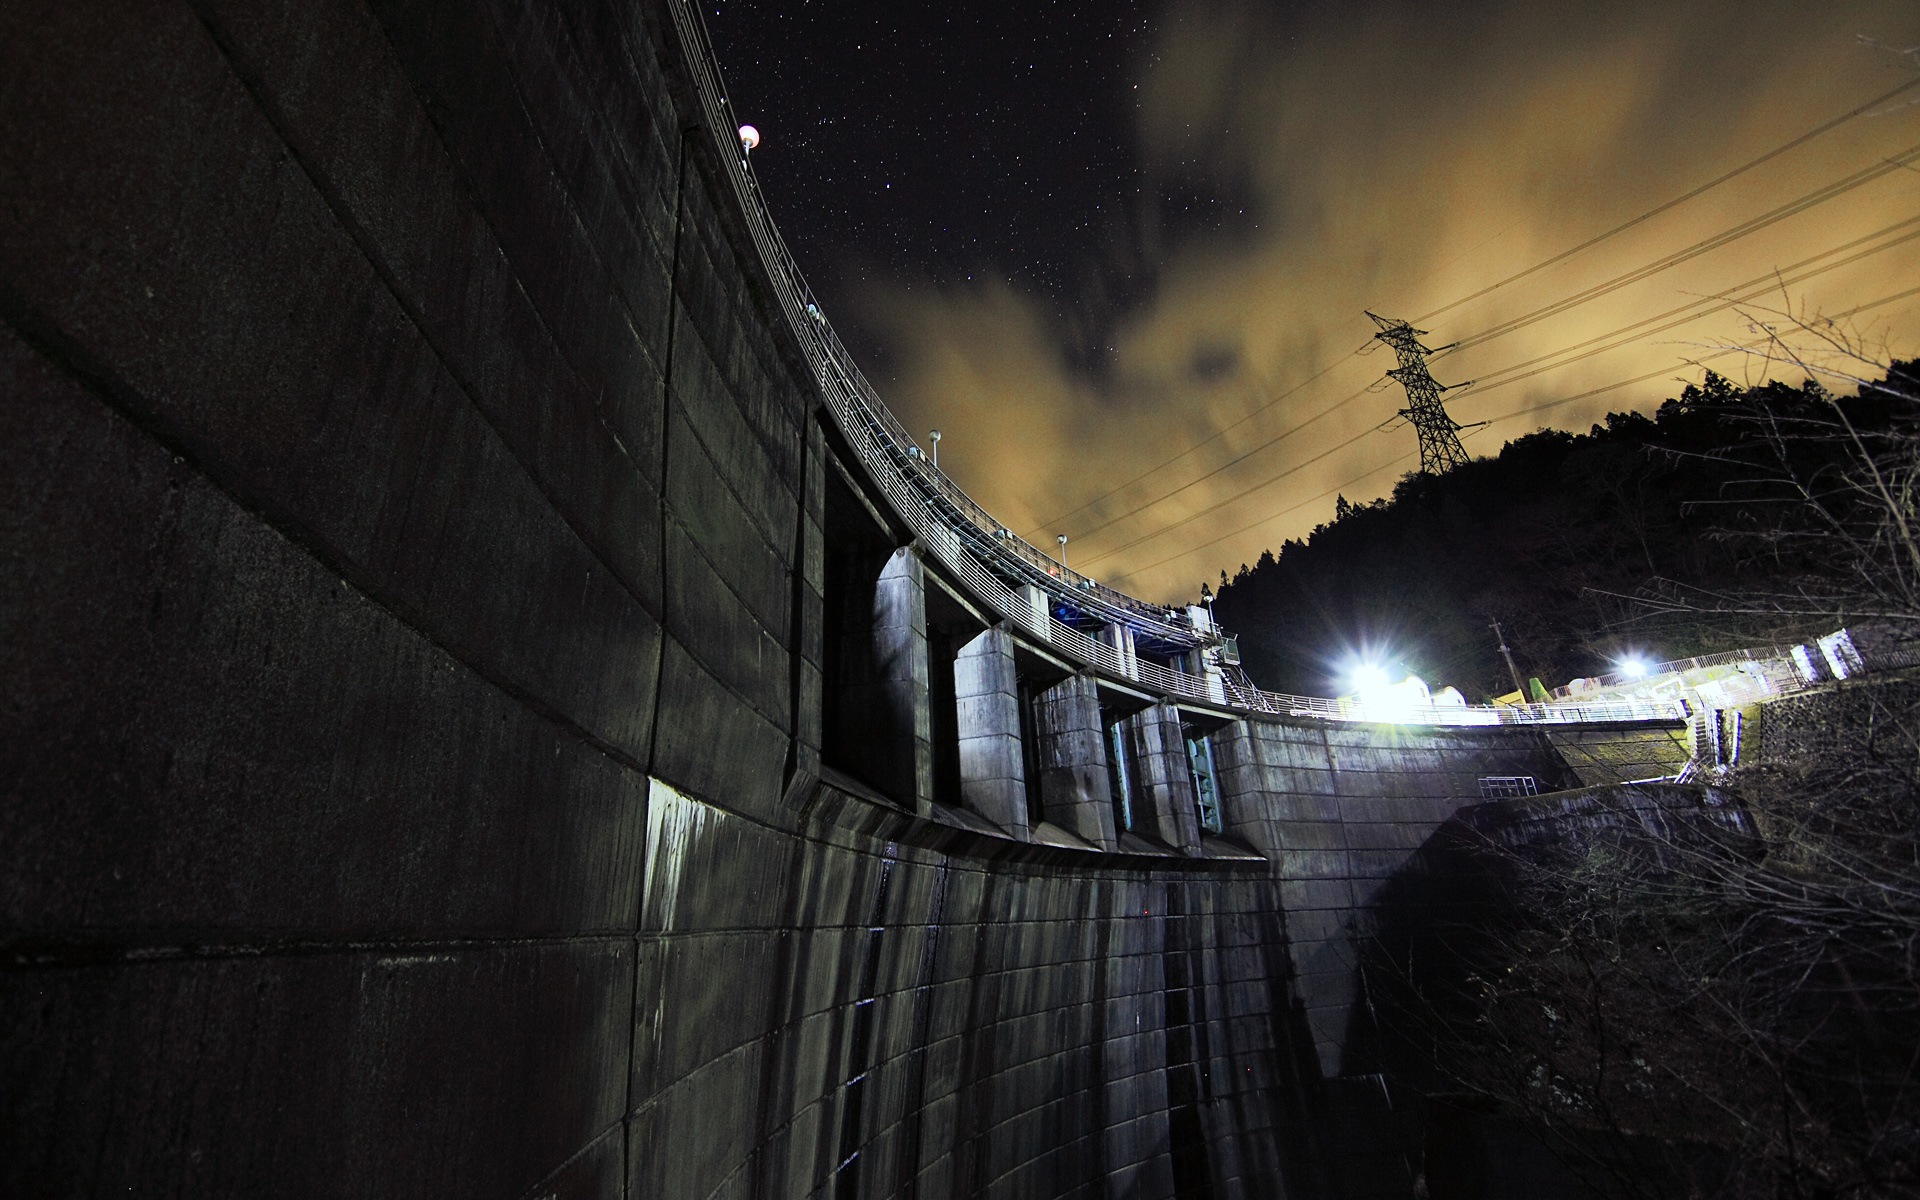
[984, 554]
[1679, 666]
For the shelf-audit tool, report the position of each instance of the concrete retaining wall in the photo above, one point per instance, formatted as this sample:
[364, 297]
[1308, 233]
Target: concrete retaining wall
[1339, 809]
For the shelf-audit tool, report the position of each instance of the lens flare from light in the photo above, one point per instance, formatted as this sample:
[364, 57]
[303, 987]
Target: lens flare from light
[1635, 667]
[1366, 679]
[1377, 696]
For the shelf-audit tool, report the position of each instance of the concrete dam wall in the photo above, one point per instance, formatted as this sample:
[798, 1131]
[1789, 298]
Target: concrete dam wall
[469, 728]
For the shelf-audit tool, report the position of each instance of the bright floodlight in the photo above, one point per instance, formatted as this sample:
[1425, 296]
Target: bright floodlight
[1372, 687]
[1634, 667]
[1365, 678]
[749, 138]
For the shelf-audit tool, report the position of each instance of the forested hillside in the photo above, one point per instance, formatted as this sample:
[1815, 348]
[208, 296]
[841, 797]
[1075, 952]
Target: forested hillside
[1639, 536]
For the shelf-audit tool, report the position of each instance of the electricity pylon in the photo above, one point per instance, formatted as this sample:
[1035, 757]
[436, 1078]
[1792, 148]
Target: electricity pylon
[1440, 448]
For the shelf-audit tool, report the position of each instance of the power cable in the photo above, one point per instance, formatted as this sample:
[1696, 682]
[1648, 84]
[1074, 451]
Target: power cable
[1404, 457]
[1216, 436]
[1776, 152]
[1769, 276]
[1767, 282]
[1239, 495]
[1520, 412]
[1702, 190]
[1531, 409]
[1225, 466]
[1726, 237]
[1275, 515]
[1753, 288]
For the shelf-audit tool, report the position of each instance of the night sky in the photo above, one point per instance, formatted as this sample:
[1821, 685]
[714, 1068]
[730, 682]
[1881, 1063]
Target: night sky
[922, 144]
[1119, 253]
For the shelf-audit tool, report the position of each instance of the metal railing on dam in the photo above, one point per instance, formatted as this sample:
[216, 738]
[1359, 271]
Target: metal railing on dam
[986, 556]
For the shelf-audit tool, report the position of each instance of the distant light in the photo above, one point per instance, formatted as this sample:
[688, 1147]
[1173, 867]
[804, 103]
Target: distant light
[1379, 696]
[749, 138]
[1635, 667]
[1366, 681]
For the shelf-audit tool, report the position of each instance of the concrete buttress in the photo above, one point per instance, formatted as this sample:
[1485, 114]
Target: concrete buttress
[1074, 786]
[1162, 781]
[992, 775]
[900, 656]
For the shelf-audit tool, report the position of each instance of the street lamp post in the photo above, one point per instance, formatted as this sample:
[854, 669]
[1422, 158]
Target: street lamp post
[935, 435]
[1512, 670]
[1062, 539]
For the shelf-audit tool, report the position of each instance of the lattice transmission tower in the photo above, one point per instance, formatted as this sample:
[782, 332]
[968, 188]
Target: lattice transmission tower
[1440, 448]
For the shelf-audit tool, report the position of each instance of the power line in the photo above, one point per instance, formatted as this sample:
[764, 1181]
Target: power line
[1216, 436]
[1769, 281]
[1770, 276]
[1880, 303]
[1726, 237]
[1702, 190]
[1272, 479]
[1239, 495]
[1753, 289]
[1688, 252]
[1520, 412]
[1404, 457]
[1271, 442]
[1275, 515]
[1531, 409]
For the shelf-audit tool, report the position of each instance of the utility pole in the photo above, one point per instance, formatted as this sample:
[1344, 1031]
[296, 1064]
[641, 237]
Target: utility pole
[1440, 449]
[1511, 669]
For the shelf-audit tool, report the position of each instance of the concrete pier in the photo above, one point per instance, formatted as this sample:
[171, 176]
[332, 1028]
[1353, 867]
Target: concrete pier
[1074, 785]
[1162, 780]
[992, 771]
[901, 738]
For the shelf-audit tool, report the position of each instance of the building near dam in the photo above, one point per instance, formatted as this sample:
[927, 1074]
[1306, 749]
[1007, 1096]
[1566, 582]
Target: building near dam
[496, 707]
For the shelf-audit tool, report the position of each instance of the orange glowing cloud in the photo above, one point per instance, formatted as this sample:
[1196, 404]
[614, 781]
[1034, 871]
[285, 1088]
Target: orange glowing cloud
[1402, 161]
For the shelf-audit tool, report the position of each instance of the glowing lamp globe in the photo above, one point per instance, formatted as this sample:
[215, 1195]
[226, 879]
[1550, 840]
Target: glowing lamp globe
[749, 138]
[1366, 681]
[1369, 678]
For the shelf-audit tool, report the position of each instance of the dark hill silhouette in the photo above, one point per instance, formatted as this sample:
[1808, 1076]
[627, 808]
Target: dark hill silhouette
[1584, 546]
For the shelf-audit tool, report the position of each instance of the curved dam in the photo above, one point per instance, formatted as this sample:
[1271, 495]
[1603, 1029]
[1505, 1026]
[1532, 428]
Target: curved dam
[493, 707]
